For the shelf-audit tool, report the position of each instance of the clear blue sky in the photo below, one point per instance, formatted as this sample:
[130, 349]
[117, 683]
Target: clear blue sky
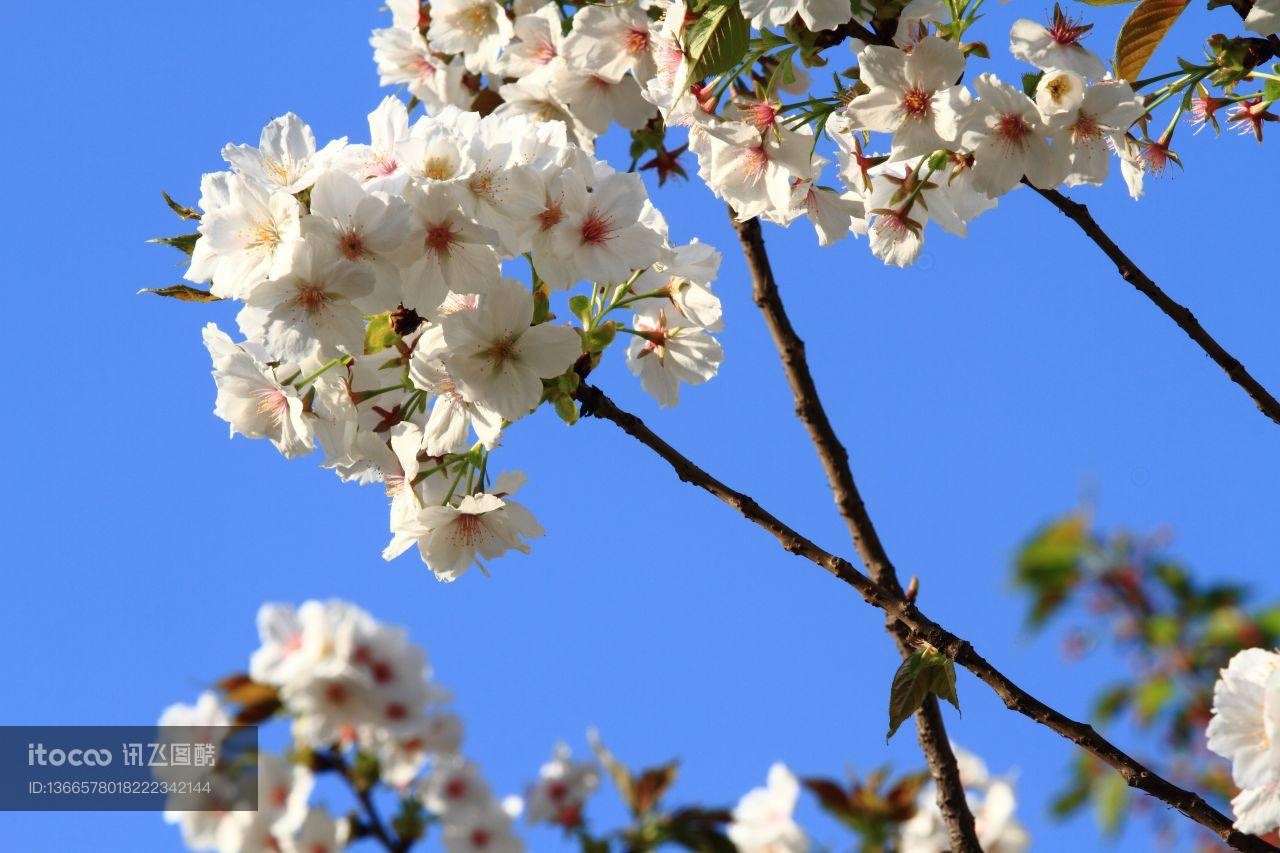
[979, 393]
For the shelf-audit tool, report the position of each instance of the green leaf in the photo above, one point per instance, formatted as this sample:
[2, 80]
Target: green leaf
[580, 306]
[183, 293]
[1268, 621]
[923, 673]
[182, 210]
[1153, 696]
[718, 39]
[379, 334]
[1162, 629]
[1110, 801]
[1142, 33]
[1049, 564]
[185, 243]
[1111, 702]
[1029, 83]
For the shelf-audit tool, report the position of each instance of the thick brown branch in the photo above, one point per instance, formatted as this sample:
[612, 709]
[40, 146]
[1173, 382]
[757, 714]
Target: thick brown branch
[922, 629]
[930, 728]
[1129, 271]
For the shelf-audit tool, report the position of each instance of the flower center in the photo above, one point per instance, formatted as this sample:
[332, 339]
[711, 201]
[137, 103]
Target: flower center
[756, 160]
[351, 244]
[1012, 128]
[475, 20]
[549, 218]
[440, 238]
[264, 235]
[637, 41]
[596, 228]
[545, 52]
[274, 402]
[381, 166]
[423, 67]
[499, 352]
[437, 168]
[916, 102]
[1086, 128]
[481, 184]
[335, 694]
[311, 297]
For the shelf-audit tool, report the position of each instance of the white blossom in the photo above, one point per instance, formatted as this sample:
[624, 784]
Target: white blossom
[762, 820]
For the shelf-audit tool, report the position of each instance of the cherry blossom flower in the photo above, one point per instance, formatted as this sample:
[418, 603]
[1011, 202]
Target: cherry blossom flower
[312, 311]
[754, 172]
[538, 41]
[1243, 729]
[497, 359]
[816, 14]
[762, 821]
[1056, 46]
[608, 41]
[1059, 92]
[477, 29]
[596, 101]
[913, 96]
[602, 234]
[446, 251]
[1081, 134]
[453, 417]
[248, 234]
[666, 352]
[253, 400]
[286, 157]
[563, 786]
[403, 58]
[364, 228]
[452, 538]
[1008, 139]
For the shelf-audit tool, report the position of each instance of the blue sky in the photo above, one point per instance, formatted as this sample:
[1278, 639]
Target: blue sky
[979, 393]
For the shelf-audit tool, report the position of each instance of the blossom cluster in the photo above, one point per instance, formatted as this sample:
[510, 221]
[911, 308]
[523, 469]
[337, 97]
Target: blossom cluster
[947, 151]
[351, 686]
[1245, 729]
[381, 323]
[362, 705]
[763, 819]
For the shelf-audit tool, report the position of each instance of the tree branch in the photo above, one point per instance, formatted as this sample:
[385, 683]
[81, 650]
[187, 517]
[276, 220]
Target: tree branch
[930, 727]
[1129, 271]
[372, 823]
[922, 629]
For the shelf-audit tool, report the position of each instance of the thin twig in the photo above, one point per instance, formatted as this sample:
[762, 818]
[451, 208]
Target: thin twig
[930, 728]
[1129, 271]
[922, 629]
[372, 820]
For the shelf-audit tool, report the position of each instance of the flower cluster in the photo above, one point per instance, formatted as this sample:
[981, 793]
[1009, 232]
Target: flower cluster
[363, 711]
[1245, 729]
[949, 150]
[763, 820]
[353, 687]
[378, 323]
[992, 802]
